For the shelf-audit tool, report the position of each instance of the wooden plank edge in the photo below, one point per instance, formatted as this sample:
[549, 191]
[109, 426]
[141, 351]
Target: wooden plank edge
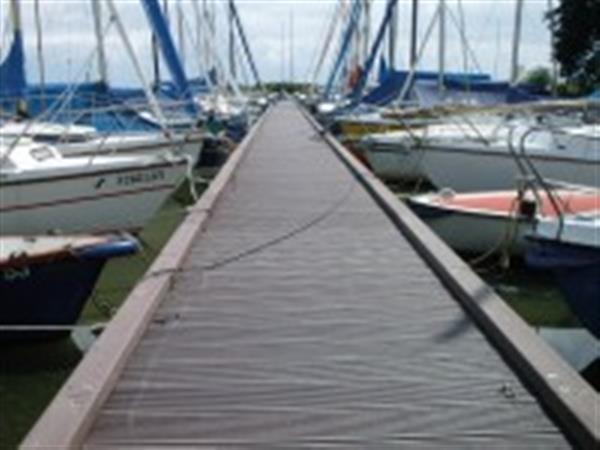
[67, 420]
[569, 399]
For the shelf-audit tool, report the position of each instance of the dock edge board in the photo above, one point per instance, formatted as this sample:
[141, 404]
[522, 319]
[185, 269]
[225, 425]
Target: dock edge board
[569, 399]
[68, 418]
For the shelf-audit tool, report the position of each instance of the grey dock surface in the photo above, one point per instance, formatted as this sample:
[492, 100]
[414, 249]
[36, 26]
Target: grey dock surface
[300, 317]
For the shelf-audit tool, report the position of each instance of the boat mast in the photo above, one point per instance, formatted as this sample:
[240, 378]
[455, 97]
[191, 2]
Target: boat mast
[366, 32]
[102, 67]
[232, 68]
[237, 21]
[291, 46]
[552, 56]
[392, 37]
[514, 73]
[442, 47]
[206, 40]
[40, 52]
[413, 33]
[180, 33]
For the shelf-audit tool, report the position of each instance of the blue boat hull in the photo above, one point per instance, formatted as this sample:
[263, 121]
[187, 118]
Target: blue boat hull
[52, 293]
[46, 295]
[577, 271]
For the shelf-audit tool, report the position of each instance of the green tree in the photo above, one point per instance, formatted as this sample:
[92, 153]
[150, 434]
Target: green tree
[540, 77]
[575, 25]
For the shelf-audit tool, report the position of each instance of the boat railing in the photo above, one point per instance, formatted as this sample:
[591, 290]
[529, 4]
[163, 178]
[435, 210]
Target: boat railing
[533, 178]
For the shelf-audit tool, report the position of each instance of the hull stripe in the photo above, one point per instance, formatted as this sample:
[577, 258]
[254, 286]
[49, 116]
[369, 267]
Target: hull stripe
[87, 198]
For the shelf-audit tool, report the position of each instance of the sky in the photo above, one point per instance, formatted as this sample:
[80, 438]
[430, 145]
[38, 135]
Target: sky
[69, 43]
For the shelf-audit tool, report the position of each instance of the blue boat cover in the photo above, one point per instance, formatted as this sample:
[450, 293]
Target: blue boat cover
[392, 82]
[477, 92]
[13, 83]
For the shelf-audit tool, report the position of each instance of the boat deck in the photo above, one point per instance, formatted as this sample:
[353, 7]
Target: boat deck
[301, 316]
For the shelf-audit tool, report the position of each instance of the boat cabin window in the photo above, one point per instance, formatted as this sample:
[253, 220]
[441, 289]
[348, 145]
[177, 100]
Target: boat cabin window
[58, 139]
[41, 153]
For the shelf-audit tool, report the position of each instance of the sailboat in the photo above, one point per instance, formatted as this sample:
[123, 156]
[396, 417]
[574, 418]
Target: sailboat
[77, 140]
[44, 192]
[477, 160]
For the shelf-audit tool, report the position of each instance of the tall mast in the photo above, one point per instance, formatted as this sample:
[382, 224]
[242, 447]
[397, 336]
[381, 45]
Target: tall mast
[282, 57]
[413, 33]
[40, 51]
[514, 73]
[552, 56]
[232, 68]
[102, 67]
[442, 46]
[206, 41]
[180, 32]
[366, 33]
[291, 46]
[392, 37]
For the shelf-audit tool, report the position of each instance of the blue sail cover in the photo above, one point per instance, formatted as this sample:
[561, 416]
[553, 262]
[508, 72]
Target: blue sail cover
[474, 92]
[391, 84]
[13, 83]
[161, 31]
[383, 70]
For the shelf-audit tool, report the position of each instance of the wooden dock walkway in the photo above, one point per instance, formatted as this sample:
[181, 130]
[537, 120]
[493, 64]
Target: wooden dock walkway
[292, 309]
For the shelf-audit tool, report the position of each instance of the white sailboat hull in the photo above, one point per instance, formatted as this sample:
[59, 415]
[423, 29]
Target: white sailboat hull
[92, 200]
[396, 164]
[471, 171]
[143, 143]
[479, 233]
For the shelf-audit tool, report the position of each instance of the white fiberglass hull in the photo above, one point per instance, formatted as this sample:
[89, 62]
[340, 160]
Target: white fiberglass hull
[491, 222]
[91, 199]
[487, 170]
[481, 233]
[392, 156]
[143, 143]
[397, 164]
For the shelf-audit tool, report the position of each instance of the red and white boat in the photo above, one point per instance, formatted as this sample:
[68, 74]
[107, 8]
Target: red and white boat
[497, 220]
